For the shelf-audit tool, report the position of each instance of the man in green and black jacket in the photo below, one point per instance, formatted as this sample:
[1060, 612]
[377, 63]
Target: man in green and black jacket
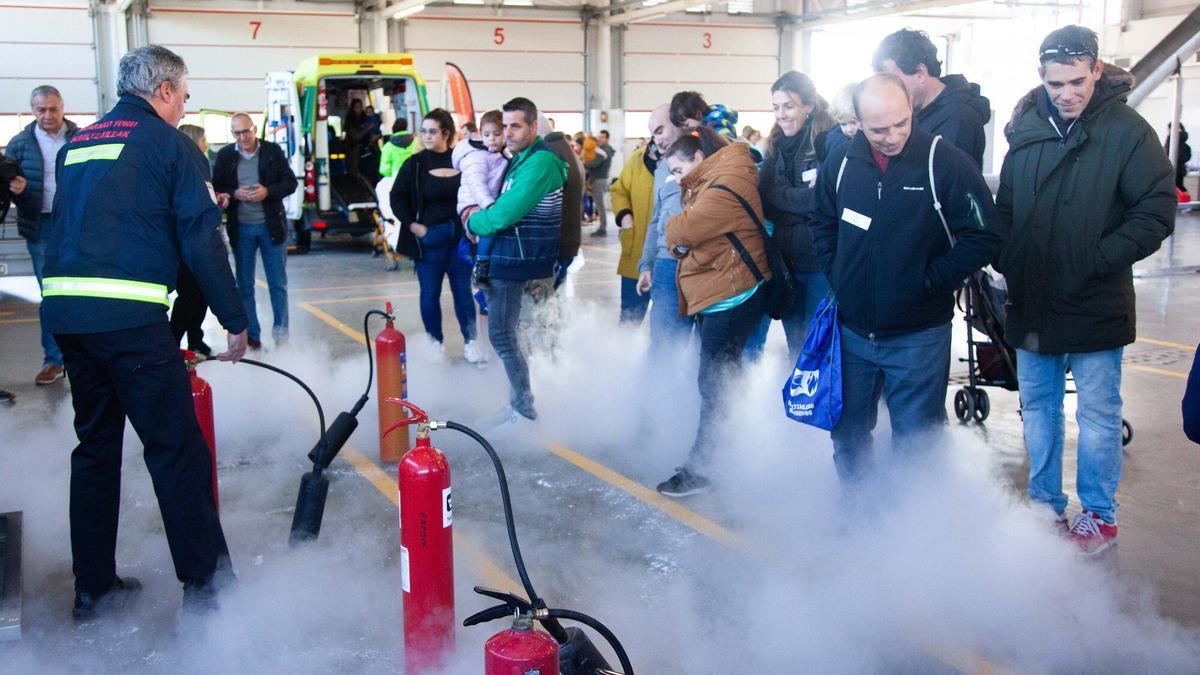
[526, 220]
[1085, 192]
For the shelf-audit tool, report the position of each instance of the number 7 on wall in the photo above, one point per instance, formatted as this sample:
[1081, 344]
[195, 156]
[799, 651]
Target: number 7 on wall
[254, 33]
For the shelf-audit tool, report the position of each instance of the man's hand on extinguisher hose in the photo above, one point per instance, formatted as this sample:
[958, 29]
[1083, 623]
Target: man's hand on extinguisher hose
[236, 350]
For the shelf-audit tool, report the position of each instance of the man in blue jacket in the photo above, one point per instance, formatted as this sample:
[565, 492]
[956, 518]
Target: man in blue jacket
[894, 262]
[132, 205]
[34, 149]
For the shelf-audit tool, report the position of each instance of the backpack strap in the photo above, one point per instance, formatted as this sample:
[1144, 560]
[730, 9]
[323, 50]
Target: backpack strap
[745, 255]
[937, 205]
[737, 243]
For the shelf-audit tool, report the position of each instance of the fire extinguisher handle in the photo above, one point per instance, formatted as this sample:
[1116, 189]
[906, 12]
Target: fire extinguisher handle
[510, 599]
[489, 614]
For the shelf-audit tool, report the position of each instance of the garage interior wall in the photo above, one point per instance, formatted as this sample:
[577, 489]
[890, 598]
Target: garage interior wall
[47, 43]
[548, 55]
[540, 58]
[230, 47]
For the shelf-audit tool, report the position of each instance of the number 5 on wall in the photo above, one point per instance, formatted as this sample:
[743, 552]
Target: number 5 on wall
[254, 33]
[498, 35]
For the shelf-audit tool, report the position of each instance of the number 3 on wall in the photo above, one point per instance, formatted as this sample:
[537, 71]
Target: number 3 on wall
[498, 35]
[256, 25]
[708, 40]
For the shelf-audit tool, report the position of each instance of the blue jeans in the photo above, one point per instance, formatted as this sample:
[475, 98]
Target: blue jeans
[911, 372]
[668, 330]
[633, 306]
[252, 238]
[435, 265]
[504, 317]
[52, 355]
[1042, 379]
[811, 288]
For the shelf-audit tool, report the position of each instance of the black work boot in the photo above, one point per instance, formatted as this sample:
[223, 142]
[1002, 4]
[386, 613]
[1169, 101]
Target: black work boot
[117, 596]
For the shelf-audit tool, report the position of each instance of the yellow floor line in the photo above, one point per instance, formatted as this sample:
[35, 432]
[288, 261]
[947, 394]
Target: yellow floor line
[1167, 343]
[347, 330]
[670, 507]
[12, 321]
[1158, 371]
[490, 572]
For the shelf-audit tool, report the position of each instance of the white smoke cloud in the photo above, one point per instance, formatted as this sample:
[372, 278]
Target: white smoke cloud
[934, 564]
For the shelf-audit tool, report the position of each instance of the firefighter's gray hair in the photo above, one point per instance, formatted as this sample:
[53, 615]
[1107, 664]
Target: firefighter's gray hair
[144, 69]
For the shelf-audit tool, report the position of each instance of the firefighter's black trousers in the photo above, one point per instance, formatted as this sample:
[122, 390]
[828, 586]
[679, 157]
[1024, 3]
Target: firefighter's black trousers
[138, 373]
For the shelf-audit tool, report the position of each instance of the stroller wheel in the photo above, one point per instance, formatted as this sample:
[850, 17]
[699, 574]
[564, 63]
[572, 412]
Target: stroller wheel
[983, 405]
[1126, 433]
[964, 404]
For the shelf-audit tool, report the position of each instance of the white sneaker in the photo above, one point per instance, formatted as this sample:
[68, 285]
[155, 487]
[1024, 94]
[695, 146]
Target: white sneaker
[472, 353]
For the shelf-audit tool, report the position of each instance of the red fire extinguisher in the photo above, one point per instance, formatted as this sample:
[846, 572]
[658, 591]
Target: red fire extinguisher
[202, 400]
[520, 649]
[391, 372]
[426, 547]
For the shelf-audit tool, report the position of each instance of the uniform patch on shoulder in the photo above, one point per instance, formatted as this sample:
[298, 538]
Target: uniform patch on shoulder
[212, 194]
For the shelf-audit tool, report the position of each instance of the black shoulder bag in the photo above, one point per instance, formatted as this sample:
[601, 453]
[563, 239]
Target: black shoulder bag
[780, 289]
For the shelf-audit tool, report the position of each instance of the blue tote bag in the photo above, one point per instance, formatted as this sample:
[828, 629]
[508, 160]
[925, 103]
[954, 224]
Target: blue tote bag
[813, 394]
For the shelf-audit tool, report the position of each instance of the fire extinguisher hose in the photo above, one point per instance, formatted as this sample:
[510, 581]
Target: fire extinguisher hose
[594, 624]
[305, 387]
[551, 616]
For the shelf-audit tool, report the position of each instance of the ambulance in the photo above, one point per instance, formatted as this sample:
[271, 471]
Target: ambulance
[304, 115]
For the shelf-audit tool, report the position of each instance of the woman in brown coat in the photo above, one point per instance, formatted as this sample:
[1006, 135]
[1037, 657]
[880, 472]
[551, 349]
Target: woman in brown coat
[722, 264]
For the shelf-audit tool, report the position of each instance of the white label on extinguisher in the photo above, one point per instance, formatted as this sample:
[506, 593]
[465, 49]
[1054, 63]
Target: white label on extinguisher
[447, 508]
[404, 580]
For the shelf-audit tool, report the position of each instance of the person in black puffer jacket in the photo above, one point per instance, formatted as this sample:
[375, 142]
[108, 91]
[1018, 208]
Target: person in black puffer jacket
[950, 106]
[785, 183]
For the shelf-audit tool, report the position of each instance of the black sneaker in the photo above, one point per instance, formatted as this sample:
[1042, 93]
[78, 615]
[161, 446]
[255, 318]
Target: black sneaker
[683, 484]
[119, 595]
[483, 274]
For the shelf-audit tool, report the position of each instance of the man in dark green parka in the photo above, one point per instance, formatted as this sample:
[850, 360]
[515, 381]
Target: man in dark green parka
[1085, 192]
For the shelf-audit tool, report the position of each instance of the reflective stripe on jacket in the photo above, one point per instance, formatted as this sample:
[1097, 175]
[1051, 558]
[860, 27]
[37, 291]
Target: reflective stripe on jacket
[133, 202]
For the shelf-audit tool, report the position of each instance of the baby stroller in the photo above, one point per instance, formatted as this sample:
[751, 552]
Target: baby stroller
[991, 361]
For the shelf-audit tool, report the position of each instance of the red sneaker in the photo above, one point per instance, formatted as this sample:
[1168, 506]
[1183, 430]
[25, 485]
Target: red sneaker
[1092, 534]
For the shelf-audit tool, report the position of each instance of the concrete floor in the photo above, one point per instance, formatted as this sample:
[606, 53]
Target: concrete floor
[939, 568]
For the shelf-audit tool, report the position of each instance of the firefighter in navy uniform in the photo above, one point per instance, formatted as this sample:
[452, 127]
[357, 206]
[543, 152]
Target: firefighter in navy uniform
[132, 203]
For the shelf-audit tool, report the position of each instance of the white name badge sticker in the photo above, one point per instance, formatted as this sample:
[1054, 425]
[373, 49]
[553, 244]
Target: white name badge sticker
[856, 219]
[809, 176]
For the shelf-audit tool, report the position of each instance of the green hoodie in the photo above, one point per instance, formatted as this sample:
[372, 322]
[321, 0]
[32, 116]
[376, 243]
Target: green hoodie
[532, 175]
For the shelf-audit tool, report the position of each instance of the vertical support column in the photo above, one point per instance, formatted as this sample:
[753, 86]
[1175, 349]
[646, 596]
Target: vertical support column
[115, 29]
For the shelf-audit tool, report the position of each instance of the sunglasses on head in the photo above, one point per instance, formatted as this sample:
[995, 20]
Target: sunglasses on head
[1065, 50]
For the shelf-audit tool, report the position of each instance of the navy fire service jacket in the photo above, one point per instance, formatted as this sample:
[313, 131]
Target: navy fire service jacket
[133, 200]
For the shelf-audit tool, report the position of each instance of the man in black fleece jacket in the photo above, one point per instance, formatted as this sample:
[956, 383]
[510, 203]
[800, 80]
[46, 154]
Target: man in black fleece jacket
[950, 106]
[894, 265]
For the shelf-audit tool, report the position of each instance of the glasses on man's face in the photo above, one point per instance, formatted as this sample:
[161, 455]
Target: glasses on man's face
[243, 132]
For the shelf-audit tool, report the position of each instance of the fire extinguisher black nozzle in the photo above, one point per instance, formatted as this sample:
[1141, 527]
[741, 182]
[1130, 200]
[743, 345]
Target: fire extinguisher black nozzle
[335, 437]
[310, 508]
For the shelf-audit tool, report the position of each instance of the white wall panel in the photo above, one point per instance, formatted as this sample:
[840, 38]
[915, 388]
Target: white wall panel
[230, 51]
[728, 63]
[47, 43]
[540, 59]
